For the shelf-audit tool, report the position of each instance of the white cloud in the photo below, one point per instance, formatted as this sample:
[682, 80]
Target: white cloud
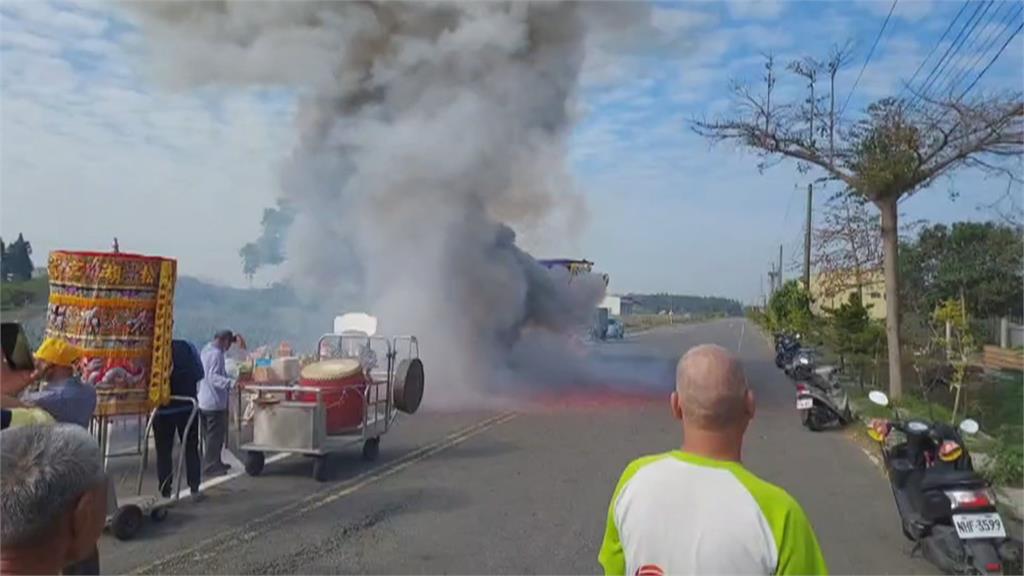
[909, 10]
[756, 9]
[95, 148]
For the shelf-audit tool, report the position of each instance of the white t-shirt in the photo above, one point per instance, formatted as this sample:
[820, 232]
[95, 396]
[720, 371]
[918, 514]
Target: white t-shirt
[677, 513]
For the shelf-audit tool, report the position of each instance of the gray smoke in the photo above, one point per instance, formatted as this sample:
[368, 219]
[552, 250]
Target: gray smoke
[426, 133]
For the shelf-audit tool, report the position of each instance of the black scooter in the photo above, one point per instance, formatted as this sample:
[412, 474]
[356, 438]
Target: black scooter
[822, 400]
[946, 508]
[785, 347]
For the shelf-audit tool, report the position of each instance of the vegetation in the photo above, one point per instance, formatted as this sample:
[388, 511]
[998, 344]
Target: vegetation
[681, 304]
[16, 261]
[857, 338]
[17, 294]
[980, 263]
[898, 148]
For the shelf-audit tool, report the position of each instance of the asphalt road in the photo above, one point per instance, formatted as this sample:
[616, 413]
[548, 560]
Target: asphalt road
[518, 492]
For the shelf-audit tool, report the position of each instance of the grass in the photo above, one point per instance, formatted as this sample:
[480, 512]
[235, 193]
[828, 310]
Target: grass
[15, 295]
[635, 322]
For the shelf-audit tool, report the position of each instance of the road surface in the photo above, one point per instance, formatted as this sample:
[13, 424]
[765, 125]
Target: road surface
[517, 492]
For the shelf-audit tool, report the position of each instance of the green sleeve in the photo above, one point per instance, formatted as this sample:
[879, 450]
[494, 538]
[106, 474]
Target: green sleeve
[799, 552]
[611, 556]
[797, 546]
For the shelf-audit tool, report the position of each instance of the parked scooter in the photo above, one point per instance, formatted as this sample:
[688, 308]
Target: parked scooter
[802, 364]
[946, 508]
[786, 346]
[822, 400]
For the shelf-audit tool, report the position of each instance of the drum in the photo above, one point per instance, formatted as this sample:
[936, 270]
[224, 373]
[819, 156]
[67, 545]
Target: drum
[343, 387]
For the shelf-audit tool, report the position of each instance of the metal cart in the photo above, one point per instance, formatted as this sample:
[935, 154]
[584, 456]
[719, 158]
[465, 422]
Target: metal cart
[125, 516]
[285, 420]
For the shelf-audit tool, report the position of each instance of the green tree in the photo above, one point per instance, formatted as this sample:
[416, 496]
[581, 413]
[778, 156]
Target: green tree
[3, 261]
[19, 260]
[980, 263]
[790, 308]
[853, 335]
[895, 150]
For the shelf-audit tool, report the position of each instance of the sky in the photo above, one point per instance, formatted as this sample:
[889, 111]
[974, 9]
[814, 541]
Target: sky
[92, 146]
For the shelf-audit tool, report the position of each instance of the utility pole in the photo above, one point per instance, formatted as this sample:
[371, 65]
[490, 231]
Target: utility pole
[780, 266]
[807, 238]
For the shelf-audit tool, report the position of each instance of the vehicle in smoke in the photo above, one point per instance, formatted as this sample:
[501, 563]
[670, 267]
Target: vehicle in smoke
[615, 331]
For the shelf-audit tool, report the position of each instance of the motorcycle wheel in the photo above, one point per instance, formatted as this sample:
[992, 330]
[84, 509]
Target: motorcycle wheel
[780, 361]
[815, 420]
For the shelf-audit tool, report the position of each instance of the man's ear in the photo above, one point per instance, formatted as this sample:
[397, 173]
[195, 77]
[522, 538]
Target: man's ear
[677, 407]
[749, 404]
[88, 517]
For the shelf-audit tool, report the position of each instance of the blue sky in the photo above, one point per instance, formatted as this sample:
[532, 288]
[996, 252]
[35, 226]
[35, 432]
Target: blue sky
[93, 146]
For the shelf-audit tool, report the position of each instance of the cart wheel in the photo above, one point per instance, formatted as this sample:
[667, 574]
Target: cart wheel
[371, 449]
[158, 514]
[320, 468]
[126, 522]
[254, 463]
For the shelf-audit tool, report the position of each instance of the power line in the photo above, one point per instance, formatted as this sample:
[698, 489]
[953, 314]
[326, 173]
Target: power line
[868, 59]
[976, 49]
[988, 44]
[947, 69]
[932, 75]
[992, 61]
[936, 47]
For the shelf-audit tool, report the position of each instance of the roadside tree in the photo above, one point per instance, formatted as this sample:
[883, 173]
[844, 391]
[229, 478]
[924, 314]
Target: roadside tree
[896, 149]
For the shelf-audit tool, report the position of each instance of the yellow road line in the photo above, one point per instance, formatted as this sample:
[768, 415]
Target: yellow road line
[252, 529]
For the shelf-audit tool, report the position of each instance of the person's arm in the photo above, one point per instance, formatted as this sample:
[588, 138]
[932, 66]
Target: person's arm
[799, 552]
[612, 557]
[215, 374]
[46, 399]
[12, 382]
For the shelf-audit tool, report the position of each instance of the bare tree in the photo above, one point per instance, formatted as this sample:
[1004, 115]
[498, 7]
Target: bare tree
[848, 246]
[891, 153]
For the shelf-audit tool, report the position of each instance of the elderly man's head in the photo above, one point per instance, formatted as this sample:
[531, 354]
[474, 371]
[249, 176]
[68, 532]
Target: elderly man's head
[711, 391]
[53, 496]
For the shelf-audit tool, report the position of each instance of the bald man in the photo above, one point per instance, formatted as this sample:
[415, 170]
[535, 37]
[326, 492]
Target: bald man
[698, 510]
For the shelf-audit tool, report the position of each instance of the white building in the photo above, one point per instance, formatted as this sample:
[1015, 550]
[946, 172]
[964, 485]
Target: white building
[613, 304]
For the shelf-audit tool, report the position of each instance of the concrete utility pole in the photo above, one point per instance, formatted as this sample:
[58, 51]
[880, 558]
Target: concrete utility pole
[780, 266]
[807, 238]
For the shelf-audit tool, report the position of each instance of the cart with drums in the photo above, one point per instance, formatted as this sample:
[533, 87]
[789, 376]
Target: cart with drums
[351, 395]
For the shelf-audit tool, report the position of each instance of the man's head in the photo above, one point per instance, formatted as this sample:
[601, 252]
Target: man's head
[223, 339]
[52, 493]
[55, 359]
[711, 394]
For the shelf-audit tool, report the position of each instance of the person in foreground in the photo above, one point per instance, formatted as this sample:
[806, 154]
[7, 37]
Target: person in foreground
[698, 510]
[53, 495]
[65, 397]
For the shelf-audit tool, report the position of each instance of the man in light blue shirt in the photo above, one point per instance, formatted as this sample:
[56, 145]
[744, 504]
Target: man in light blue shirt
[213, 400]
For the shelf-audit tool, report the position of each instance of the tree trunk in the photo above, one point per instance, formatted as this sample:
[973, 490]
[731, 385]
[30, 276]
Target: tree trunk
[890, 245]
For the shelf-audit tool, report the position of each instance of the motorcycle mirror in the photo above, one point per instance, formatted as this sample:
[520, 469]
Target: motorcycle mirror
[969, 426]
[878, 397]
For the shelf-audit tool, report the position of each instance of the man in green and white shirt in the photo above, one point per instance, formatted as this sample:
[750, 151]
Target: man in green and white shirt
[698, 510]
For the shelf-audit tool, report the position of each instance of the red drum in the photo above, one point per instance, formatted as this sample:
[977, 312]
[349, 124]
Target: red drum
[343, 392]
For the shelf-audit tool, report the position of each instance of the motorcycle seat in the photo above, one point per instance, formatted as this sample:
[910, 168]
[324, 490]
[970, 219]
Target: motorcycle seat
[937, 478]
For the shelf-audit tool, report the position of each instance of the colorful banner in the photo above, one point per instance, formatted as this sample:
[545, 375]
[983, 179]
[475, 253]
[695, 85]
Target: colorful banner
[118, 308]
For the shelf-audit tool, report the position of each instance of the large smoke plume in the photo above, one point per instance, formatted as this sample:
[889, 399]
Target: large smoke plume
[426, 133]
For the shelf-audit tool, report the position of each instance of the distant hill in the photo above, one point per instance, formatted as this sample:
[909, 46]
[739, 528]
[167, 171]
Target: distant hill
[262, 315]
[683, 304]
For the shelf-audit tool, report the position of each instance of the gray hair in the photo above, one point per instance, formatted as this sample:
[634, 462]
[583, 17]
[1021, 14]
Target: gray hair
[45, 470]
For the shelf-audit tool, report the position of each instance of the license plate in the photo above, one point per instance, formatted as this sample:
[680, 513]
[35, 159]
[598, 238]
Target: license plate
[804, 403]
[979, 526]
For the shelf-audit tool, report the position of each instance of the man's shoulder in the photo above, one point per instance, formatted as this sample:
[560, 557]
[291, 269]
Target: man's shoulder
[639, 464]
[775, 502]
